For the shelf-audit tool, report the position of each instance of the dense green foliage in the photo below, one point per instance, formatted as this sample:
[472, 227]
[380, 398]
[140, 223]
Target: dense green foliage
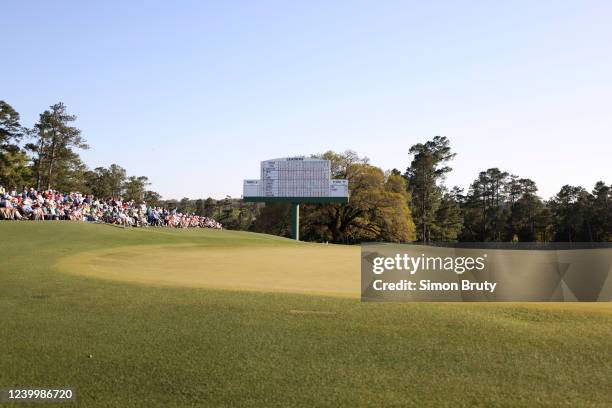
[503, 207]
[378, 208]
[14, 168]
[126, 345]
[500, 206]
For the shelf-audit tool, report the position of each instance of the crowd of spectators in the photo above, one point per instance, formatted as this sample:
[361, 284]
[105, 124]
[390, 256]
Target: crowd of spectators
[31, 204]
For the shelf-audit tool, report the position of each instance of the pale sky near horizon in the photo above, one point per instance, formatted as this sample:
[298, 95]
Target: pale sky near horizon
[195, 94]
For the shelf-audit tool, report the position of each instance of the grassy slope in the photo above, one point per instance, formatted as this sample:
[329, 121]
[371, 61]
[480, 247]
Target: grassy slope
[164, 346]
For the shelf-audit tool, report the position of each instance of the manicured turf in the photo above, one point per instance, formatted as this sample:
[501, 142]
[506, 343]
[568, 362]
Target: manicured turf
[159, 345]
[312, 269]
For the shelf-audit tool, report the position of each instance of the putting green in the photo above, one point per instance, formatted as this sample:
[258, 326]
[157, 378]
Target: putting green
[308, 268]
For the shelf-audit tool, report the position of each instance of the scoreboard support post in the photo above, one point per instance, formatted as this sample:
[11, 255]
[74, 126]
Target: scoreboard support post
[295, 221]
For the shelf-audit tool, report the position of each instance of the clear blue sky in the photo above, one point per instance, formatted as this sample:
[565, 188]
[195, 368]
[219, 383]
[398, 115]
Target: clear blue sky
[194, 94]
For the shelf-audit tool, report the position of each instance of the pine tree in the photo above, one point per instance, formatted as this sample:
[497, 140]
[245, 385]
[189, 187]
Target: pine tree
[54, 144]
[425, 174]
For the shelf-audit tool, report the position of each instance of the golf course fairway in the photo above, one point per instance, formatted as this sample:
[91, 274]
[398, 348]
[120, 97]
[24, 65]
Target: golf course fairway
[200, 318]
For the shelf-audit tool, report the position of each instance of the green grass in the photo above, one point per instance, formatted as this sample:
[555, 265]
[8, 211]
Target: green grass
[175, 347]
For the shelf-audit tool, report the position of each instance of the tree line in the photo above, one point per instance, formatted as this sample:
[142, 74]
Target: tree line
[46, 156]
[499, 206]
[393, 206]
[416, 205]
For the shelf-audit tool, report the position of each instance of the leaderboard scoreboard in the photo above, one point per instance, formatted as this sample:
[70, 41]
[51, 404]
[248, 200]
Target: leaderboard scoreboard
[298, 179]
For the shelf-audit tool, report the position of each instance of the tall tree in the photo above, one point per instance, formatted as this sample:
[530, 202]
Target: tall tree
[14, 171]
[601, 212]
[152, 198]
[378, 208]
[425, 174]
[106, 182]
[449, 217]
[570, 208]
[208, 208]
[70, 174]
[528, 218]
[54, 143]
[10, 128]
[135, 188]
[488, 197]
[394, 218]
[186, 205]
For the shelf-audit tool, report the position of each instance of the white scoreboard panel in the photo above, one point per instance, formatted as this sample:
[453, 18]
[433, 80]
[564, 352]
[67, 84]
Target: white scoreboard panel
[295, 177]
[251, 188]
[338, 188]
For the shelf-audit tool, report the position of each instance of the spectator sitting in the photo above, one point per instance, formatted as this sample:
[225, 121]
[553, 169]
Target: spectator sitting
[31, 204]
